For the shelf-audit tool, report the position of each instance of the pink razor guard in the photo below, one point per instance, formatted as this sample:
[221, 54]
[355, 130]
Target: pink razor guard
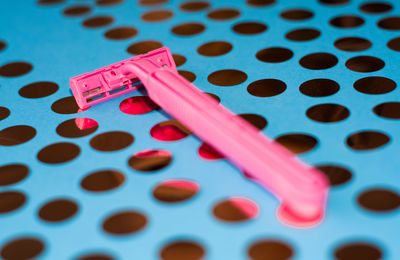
[302, 189]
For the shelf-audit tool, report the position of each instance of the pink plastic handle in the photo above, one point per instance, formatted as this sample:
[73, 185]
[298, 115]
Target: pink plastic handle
[301, 189]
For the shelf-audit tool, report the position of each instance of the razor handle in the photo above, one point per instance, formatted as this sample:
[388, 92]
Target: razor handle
[301, 189]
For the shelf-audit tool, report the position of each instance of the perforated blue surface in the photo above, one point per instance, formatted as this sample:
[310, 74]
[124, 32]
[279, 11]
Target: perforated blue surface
[59, 47]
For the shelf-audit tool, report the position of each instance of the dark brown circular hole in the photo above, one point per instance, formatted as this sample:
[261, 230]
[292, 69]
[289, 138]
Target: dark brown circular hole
[12, 173]
[256, 120]
[375, 7]
[22, 248]
[334, 2]
[15, 69]
[274, 55]
[121, 33]
[106, 3]
[179, 59]
[38, 89]
[214, 97]
[358, 250]
[375, 85]
[188, 29]
[98, 21]
[152, 2]
[328, 113]
[190, 76]
[319, 87]
[394, 44]
[182, 250]
[352, 44]
[95, 256]
[249, 28]
[303, 34]
[157, 15]
[270, 249]
[367, 140]
[11, 201]
[58, 210]
[215, 48]
[103, 180]
[318, 61]
[4, 113]
[125, 222]
[337, 175]
[390, 110]
[58, 153]
[111, 141]
[266, 87]
[347, 21]
[65, 105]
[15, 135]
[143, 47]
[49, 2]
[77, 10]
[194, 6]
[223, 14]
[260, 3]
[3, 45]
[390, 23]
[297, 143]
[297, 14]
[365, 64]
[379, 200]
[227, 77]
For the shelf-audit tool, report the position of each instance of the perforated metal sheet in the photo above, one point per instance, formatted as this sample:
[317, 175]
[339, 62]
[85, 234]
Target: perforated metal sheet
[362, 220]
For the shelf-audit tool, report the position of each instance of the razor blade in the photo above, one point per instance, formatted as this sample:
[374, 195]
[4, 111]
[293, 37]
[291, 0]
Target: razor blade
[109, 82]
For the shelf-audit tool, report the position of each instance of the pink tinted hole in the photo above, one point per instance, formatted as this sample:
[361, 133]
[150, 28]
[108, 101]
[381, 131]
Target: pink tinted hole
[248, 207]
[148, 153]
[85, 123]
[207, 152]
[170, 130]
[82, 109]
[137, 105]
[181, 184]
[288, 217]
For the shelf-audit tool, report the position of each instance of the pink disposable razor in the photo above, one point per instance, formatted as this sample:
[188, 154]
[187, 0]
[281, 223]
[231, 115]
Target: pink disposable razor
[301, 189]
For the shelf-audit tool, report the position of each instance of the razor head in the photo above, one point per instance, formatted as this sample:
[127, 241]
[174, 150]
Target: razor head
[110, 81]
